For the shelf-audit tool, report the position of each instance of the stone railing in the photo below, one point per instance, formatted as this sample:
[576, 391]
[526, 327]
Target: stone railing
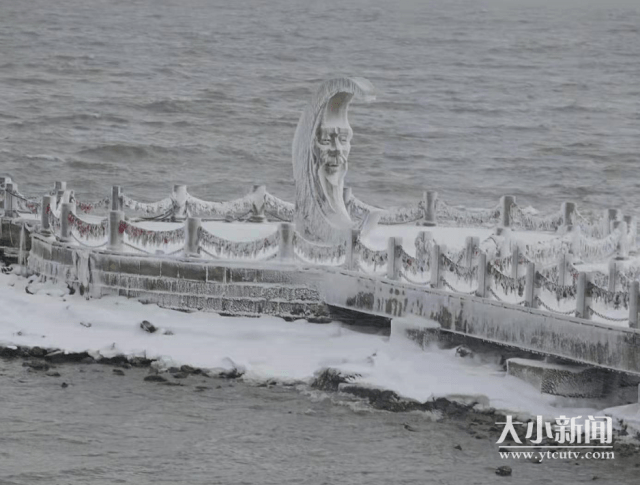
[529, 271]
[261, 206]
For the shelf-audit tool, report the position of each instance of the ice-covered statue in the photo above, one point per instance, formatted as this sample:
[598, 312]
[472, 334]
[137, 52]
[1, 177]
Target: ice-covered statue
[321, 148]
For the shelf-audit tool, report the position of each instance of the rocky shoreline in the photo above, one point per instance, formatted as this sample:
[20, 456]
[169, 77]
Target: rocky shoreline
[478, 422]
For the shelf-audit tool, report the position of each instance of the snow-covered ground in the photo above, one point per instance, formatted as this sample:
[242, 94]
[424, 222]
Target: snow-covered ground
[266, 348]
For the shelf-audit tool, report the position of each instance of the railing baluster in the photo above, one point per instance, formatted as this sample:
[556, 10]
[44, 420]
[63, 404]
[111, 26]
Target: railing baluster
[47, 202]
[192, 237]
[65, 225]
[116, 238]
[394, 245]
[581, 297]
[634, 289]
[429, 200]
[436, 266]
[483, 276]
[285, 249]
[530, 299]
[352, 258]
[116, 198]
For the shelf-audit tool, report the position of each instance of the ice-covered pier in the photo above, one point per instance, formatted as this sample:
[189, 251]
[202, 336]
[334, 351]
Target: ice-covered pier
[563, 284]
[559, 285]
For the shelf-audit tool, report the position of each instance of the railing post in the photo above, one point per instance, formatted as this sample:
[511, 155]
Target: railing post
[429, 200]
[632, 227]
[10, 203]
[45, 228]
[180, 198]
[470, 245]
[568, 210]
[530, 299]
[515, 261]
[483, 276]
[3, 187]
[257, 207]
[192, 237]
[352, 258]
[65, 225]
[634, 289]
[60, 188]
[436, 266]
[562, 269]
[394, 245]
[285, 249]
[581, 297]
[506, 202]
[622, 248]
[610, 215]
[612, 275]
[422, 242]
[116, 238]
[66, 197]
[116, 198]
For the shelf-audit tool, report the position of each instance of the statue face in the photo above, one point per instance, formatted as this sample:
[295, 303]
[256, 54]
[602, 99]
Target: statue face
[333, 144]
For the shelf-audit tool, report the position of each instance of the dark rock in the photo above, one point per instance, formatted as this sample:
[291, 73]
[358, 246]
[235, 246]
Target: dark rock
[330, 380]
[155, 378]
[59, 357]
[409, 428]
[167, 332]
[231, 374]
[116, 360]
[458, 447]
[7, 353]
[173, 370]
[64, 385]
[37, 352]
[169, 383]
[218, 387]
[201, 388]
[180, 375]
[88, 360]
[53, 374]
[148, 327]
[187, 369]
[36, 366]
[118, 372]
[503, 471]
[463, 351]
[140, 362]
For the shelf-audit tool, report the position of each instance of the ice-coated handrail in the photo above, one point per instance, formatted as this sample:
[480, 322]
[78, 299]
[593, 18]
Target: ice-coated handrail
[239, 249]
[318, 253]
[89, 229]
[149, 237]
[151, 208]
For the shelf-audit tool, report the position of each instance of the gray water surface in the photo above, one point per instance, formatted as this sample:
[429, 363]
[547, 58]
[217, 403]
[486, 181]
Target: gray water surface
[106, 429]
[477, 98]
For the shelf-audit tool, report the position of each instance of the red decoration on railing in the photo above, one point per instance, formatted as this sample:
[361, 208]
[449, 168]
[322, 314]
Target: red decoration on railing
[88, 229]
